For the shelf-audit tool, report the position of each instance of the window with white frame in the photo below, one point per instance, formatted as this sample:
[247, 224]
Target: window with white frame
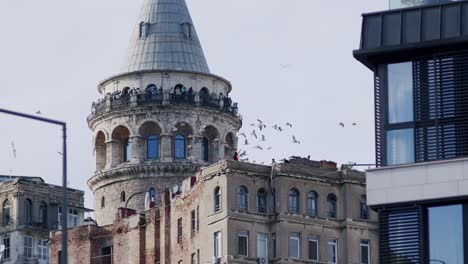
[294, 245]
[217, 244]
[243, 243]
[42, 249]
[6, 252]
[72, 218]
[332, 251]
[365, 252]
[313, 248]
[28, 247]
[262, 245]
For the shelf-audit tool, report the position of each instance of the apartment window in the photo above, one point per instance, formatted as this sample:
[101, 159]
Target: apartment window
[446, 228]
[6, 212]
[294, 245]
[242, 198]
[400, 146]
[179, 230]
[217, 199]
[273, 238]
[293, 201]
[193, 223]
[6, 252]
[261, 200]
[198, 218]
[193, 259]
[42, 250]
[365, 252]
[243, 243]
[106, 255]
[331, 201]
[313, 248]
[312, 198]
[72, 218]
[28, 211]
[332, 251]
[205, 150]
[363, 208]
[400, 92]
[28, 247]
[262, 245]
[217, 244]
[103, 202]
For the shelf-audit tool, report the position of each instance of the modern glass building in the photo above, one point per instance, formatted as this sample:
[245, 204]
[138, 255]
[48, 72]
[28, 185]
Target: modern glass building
[418, 51]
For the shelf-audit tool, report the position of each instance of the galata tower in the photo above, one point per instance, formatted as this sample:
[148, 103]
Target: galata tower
[163, 117]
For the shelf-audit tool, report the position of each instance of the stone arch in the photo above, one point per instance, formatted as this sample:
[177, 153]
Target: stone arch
[100, 149]
[121, 145]
[204, 95]
[151, 87]
[210, 146]
[181, 140]
[150, 133]
[229, 145]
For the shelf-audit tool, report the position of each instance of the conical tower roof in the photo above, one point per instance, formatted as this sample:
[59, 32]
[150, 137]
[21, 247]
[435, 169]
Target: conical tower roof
[165, 39]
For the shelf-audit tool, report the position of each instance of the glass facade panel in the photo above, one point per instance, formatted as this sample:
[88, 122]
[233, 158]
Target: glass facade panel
[400, 92]
[400, 146]
[262, 245]
[293, 245]
[332, 251]
[446, 234]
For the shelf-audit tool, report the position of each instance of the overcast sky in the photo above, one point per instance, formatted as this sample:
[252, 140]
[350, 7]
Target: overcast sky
[288, 61]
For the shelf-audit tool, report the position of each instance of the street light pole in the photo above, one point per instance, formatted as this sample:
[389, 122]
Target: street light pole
[64, 254]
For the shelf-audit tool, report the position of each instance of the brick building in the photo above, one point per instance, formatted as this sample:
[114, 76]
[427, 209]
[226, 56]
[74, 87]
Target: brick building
[30, 209]
[234, 212]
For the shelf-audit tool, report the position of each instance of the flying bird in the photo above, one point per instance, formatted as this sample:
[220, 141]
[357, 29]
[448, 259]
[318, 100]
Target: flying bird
[285, 66]
[263, 138]
[295, 141]
[242, 153]
[258, 147]
[280, 129]
[354, 124]
[243, 134]
[341, 124]
[254, 133]
[38, 112]
[288, 124]
[269, 148]
[246, 142]
[252, 124]
[174, 129]
[275, 127]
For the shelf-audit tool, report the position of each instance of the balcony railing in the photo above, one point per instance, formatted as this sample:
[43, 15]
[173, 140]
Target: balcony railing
[119, 101]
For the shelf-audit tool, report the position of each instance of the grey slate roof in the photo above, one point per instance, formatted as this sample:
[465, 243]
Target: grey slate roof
[169, 41]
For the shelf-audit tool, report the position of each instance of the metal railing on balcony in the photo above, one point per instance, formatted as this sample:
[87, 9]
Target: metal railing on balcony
[120, 101]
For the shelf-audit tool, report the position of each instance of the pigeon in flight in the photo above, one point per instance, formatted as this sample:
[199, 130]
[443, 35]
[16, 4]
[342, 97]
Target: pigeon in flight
[263, 138]
[288, 124]
[254, 134]
[269, 148]
[354, 124]
[341, 124]
[243, 134]
[295, 141]
[275, 127]
[246, 142]
[258, 147]
[38, 112]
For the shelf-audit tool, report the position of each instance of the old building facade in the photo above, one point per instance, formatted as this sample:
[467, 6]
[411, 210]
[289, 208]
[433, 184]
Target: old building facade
[30, 209]
[234, 212]
[162, 118]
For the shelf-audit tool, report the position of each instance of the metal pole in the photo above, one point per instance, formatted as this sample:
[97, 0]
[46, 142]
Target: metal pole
[64, 254]
[64, 198]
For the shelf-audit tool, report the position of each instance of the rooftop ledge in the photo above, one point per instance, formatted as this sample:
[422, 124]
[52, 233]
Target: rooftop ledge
[419, 164]
[401, 34]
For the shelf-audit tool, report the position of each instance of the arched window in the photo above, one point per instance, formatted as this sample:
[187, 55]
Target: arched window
[363, 208]
[242, 199]
[101, 150]
[103, 202]
[205, 149]
[217, 199]
[28, 211]
[312, 198]
[6, 212]
[122, 197]
[261, 200]
[151, 87]
[293, 201]
[152, 147]
[127, 155]
[331, 201]
[179, 146]
[204, 95]
[43, 213]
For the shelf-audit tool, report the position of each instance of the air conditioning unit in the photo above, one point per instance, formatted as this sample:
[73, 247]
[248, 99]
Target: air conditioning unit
[215, 260]
[262, 260]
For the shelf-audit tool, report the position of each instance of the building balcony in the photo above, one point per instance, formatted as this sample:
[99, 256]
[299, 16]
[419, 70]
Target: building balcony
[134, 99]
[393, 35]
